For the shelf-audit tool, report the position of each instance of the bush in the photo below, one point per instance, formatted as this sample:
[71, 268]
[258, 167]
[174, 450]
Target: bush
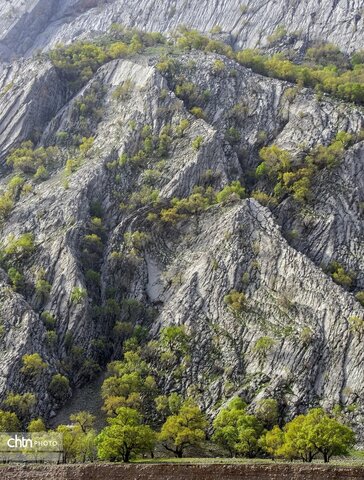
[235, 301]
[231, 192]
[78, 294]
[21, 246]
[28, 159]
[360, 297]
[197, 142]
[33, 365]
[21, 404]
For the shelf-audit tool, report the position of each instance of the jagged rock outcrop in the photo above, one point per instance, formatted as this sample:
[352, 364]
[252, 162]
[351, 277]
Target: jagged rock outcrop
[28, 26]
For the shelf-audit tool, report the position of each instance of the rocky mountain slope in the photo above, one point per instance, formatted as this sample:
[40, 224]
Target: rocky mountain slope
[28, 26]
[98, 209]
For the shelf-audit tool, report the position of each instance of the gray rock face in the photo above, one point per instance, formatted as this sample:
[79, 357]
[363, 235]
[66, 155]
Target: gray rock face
[311, 354]
[37, 24]
[184, 273]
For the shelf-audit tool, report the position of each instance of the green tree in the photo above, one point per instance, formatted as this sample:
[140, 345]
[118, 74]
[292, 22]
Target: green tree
[59, 387]
[185, 429]
[129, 384]
[237, 431]
[307, 436]
[125, 437]
[9, 422]
[33, 365]
[85, 420]
[21, 404]
[36, 425]
[272, 441]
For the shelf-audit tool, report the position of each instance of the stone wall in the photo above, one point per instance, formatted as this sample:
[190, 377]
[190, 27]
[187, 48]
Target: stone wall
[181, 472]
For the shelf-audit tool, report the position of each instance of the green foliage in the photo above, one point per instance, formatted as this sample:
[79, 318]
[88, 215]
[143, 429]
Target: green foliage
[80, 60]
[185, 429]
[357, 326]
[9, 422]
[125, 437]
[123, 91]
[78, 295]
[232, 192]
[340, 275]
[347, 84]
[129, 384]
[360, 297]
[197, 142]
[316, 433]
[16, 278]
[36, 426]
[79, 439]
[277, 35]
[28, 159]
[263, 346]
[21, 246]
[59, 387]
[272, 441]
[21, 404]
[237, 431]
[296, 178]
[33, 365]
[175, 338]
[236, 301]
[49, 320]
[267, 412]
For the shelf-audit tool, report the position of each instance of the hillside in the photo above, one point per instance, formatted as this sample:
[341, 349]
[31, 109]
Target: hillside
[136, 204]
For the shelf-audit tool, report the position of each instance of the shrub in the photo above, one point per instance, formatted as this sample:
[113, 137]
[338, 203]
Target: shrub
[198, 112]
[33, 365]
[21, 404]
[197, 142]
[78, 294]
[28, 159]
[59, 387]
[263, 346]
[236, 301]
[231, 192]
[49, 320]
[21, 246]
[360, 297]
[17, 279]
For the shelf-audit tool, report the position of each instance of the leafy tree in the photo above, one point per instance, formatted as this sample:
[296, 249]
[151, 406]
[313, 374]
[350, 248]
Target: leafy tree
[9, 422]
[21, 404]
[185, 429]
[307, 436]
[36, 426]
[272, 441]
[33, 365]
[125, 437]
[233, 191]
[59, 387]
[329, 436]
[237, 431]
[129, 384]
[267, 412]
[85, 421]
[77, 445]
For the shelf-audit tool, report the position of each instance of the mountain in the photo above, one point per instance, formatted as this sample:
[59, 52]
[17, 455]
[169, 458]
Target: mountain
[94, 240]
[28, 26]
